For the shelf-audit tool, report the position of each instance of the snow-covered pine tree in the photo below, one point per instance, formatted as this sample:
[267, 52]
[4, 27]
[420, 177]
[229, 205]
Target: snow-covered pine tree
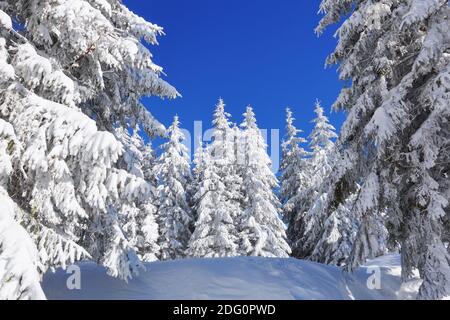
[148, 247]
[215, 233]
[96, 44]
[262, 233]
[436, 266]
[233, 180]
[322, 145]
[226, 156]
[197, 177]
[294, 178]
[132, 159]
[314, 198]
[74, 67]
[395, 140]
[139, 217]
[19, 260]
[335, 242]
[19, 277]
[174, 213]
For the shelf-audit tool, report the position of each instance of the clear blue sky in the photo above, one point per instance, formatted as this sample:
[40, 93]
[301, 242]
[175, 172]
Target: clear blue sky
[259, 52]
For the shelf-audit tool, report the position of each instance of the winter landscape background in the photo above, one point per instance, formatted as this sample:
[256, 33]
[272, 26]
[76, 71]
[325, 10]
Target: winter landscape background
[115, 184]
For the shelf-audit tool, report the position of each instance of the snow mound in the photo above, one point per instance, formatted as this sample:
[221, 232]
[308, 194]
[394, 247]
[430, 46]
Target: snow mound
[237, 278]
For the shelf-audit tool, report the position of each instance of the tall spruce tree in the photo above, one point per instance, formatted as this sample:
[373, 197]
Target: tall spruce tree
[262, 231]
[69, 74]
[295, 179]
[395, 140]
[174, 212]
[19, 277]
[139, 218]
[314, 199]
[198, 171]
[322, 145]
[216, 206]
[339, 229]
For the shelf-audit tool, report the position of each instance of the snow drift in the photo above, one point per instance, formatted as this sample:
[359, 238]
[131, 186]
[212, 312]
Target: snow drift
[238, 278]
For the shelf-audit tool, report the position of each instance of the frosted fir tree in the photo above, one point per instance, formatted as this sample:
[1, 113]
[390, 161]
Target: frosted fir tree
[104, 67]
[294, 177]
[395, 139]
[214, 234]
[174, 214]
[19, 261]
[227, 157]
[63, 102]
[41, 183]
[314, 199]
[322, 145]
[197, 173]
[132, 160]
[262, 231]
[138, 218]
[335, 242]
[216, 204]
[198, 176]
[436, 266]
[233, 178]
[148, 247]
[334, 236]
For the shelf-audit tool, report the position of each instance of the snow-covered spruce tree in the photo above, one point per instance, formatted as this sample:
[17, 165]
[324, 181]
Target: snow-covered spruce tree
[149, 249]
[174, 212]
[294, 178]
[96, 44]
[19, 277]
[62, 180]
[339, 230]
[437, 268]
[395, 140]
[214, 234]
[314, 198]
[216, 207]
[138, 215]
[322, 145]
[197, 177]
[227, 157]
[234, 180]
[262, 233]
[335, 234]
[71, 69]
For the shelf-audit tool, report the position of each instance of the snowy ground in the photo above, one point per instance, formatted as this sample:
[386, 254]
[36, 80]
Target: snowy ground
[238, 278]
